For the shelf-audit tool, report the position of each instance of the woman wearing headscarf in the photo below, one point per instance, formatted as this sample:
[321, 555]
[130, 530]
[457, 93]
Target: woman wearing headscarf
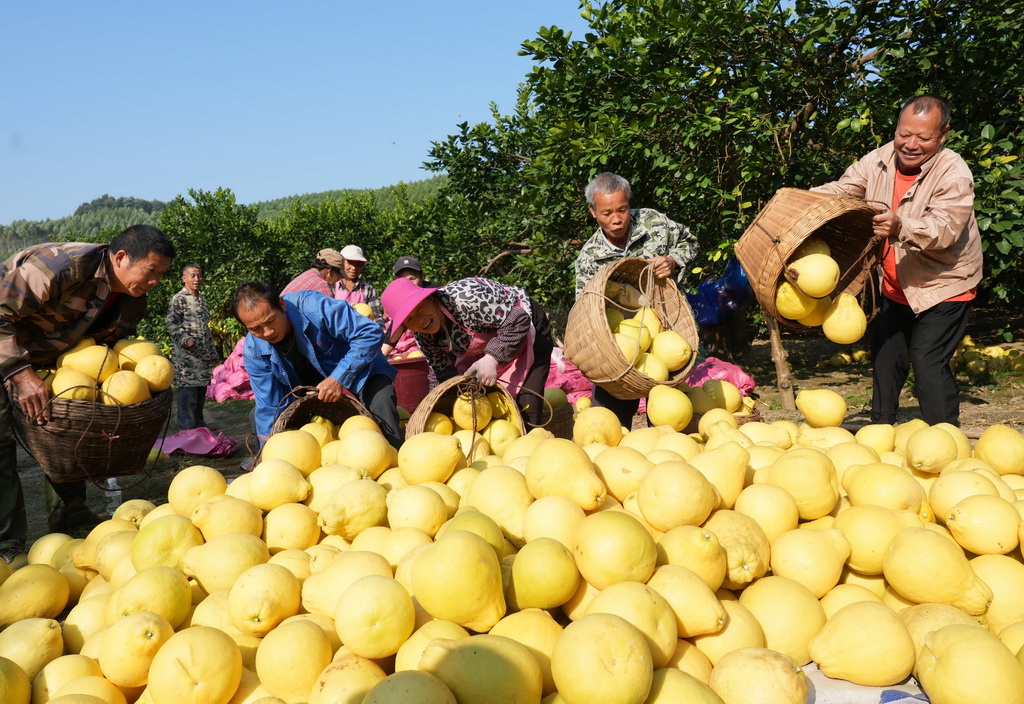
[322, 276]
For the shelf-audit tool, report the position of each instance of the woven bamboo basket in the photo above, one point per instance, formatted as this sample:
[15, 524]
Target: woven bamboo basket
[590, 345]
[559, 422]
[301, 411]
[442, 397]
[791, 217]
[86, 440]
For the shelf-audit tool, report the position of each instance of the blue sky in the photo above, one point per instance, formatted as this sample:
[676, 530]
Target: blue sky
[268, 99]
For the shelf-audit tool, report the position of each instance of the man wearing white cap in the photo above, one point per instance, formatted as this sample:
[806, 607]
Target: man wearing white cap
[353, 289]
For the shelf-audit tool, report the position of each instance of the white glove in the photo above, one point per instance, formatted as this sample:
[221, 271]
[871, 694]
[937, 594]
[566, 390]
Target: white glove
[485, 370]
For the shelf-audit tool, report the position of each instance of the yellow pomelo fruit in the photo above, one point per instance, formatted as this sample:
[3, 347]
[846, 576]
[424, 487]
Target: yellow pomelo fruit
[129, 646]
[538, 631]
[374, 616]
[216, 564]
[448, 495]
[262, 597]
[83, 554]
[773, 508]
[922, 619]
[845, 594]
[133, 511]
[161, 590]
[865, 643]
[822, 408]
[485, 668]
[809, 476]
[847, 454]
[602, 659]
[124, 388]
[54, 675]
[644, 608]
[725, 394]
[552, 517]
[740, 630]
[157, 371]
[291, 657]
[700, 400]
[42, 551]
[881, 484]
[789, 614]
[363, 309]
[868, 529]
[367, 449]
[845, 322]
[923, 566]
[409, 654]
[713, 416]
[226, 514]
[963, 443]
[416, 506]
[816, 275]
[471, 520]
[1002, 573]
[559, 467]
[956, 659]
[930, 449]
[319, 431]
[553, 395]
[636, 332]
[499, 434]
[814, 558]
[621, 469]
[629, 347]
[239, 487]
[14, 683]
[31, 643]
[758, 675]
[297, 447]
[653, 367]
[696, 549]
[596, 424]
[673, 494]
[458, 578]
[544, 575]
[296, 561]
[81, 345]
[412, 685]
[429, 457]
[649, 317]
[524, 446]
[614, 316]
[672, 349]
[791, 302]
[290, 526]
[33, 591]
[348, 678]
[725, 466]
[195, 666]
[131, 352]
[353, 508]
[746, 547]
[879, 437]
[438, 423]
[1003, 448]
[673, 684]
[503, 494]
[86, 618]
[194, 485]
[669, 406]
[472, 444]
[696, 608]
[275, 482]
[73, 385]
[97, 361]
[611, 547]
[985, 525]
[903, 433]
[111, 549]
[690, 660]
[812, 245]
[322, 589]
[89, 689]
[1012, 636]
[817, 314]
[683, 445]
[953, 486]
[471, 414]
[164, 541]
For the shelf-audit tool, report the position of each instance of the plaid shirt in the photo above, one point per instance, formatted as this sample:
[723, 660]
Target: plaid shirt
[651, 234]
[309, 280]
[369, 295]
[477, 306]
[51, 296]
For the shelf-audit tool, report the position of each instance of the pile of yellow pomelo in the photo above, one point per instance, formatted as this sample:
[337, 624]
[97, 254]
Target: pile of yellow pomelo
[640, 335]
[619, 567]
[805, 294]
[978, 361]
[130, 372]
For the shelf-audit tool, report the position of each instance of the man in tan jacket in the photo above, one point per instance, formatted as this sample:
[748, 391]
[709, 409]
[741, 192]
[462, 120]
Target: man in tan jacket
[931, 261]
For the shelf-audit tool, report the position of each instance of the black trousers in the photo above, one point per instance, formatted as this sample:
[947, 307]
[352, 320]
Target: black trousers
[530, 402]
[926, 341]
[190, 407]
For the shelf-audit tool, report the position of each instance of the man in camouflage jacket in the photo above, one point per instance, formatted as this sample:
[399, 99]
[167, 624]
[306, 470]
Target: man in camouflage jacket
[194, 352]
[51, 296]
[624, 232]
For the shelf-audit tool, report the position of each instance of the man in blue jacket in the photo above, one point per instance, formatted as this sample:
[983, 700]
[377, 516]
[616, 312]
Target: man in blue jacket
[307, 339]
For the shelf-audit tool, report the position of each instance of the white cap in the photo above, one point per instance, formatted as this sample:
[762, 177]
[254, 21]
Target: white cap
[353, 253]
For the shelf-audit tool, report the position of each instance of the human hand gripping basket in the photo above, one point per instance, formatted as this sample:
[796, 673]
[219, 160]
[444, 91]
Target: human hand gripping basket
[90, 440]
[787, 221]
[307, 405]
[589, 342]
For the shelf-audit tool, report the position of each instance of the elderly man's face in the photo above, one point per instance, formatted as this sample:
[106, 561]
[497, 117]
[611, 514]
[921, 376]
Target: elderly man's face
[193, 279]
[611, 210]
[918, 138]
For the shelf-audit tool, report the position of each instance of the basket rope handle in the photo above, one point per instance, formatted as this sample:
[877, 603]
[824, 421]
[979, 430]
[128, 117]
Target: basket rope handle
[472, 389]
[547, 406]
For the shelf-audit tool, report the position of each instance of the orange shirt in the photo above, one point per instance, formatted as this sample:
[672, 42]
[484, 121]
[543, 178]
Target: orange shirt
[890, 282]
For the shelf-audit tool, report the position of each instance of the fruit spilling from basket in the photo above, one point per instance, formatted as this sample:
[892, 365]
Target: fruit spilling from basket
[641, 336]
[129, 373]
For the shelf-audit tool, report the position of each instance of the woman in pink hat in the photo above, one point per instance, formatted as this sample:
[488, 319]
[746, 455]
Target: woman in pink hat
[477, 327]
[352, 289]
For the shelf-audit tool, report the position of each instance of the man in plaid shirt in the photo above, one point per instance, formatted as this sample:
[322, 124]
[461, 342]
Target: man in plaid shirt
[51, 297]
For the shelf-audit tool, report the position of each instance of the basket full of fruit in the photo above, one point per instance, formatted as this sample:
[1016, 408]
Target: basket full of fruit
[108, 406]
[809, 258]
[630, 331]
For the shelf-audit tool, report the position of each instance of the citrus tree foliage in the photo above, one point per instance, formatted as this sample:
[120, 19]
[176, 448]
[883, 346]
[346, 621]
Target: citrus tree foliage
[710, 106]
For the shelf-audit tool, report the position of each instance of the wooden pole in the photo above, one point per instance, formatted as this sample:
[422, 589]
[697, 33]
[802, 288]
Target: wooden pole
[781, 359]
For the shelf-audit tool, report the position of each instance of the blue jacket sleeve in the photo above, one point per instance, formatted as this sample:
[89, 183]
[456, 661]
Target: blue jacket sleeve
[266, 388]
[362, 336]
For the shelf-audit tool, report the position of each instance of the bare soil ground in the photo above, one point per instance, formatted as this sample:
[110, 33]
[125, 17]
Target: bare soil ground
[983, 403]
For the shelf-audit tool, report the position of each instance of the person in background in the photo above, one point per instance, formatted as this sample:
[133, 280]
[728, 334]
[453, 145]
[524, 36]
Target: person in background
[193, 351]
[481, 328]
[352, 289]
[624, 232]
[323, 276]
[305, 339]
[54, 295]
[409, 268]
[931, 260]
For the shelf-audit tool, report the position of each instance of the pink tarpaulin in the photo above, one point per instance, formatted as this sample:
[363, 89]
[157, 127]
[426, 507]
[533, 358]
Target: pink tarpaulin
[199, 441]
[230, 380]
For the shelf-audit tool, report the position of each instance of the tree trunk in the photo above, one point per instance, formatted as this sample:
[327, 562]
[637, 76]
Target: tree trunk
[781, 359]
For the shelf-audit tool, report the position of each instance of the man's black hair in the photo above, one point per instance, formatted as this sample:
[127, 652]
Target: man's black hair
[139, 241]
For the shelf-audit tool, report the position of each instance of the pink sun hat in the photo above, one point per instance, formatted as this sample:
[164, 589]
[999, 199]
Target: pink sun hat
[398, 299]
